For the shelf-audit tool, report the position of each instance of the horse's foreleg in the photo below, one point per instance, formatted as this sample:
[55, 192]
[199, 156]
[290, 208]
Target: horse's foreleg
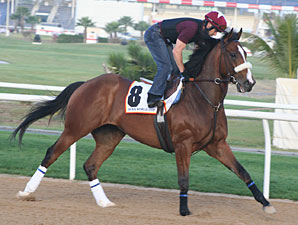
[224, 154]
[51, 156]
[183, 162]
[107, 138]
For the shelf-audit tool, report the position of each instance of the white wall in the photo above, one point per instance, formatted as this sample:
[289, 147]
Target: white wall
[285, 133]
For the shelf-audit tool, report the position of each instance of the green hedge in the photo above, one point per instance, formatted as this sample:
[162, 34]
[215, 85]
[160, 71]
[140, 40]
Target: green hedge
[65, 38]
[102, 40]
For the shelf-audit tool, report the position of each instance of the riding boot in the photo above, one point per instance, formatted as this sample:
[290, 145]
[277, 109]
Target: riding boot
[153, 100]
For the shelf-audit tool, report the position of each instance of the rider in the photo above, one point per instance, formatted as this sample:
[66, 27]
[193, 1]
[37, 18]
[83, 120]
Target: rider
[160, 38]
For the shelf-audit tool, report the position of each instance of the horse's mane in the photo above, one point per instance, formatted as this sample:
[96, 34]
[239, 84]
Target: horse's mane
[196, 60]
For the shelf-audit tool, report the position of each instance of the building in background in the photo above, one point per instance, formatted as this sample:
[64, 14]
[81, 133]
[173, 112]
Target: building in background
[246, 14]
[49, 11]
[102, 12]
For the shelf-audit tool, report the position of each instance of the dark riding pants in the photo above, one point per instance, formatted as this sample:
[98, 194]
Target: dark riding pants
[163, 57]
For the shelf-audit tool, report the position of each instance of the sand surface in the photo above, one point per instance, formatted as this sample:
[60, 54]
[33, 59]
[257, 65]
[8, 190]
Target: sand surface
[71, 202]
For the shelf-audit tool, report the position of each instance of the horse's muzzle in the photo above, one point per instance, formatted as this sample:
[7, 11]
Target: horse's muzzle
[245, 86]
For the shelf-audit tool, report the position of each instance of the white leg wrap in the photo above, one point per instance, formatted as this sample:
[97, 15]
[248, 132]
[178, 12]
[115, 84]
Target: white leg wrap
[35, 179]
[99, 195]
[32, 185]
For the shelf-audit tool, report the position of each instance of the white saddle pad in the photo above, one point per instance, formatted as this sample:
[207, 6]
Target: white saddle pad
[136, 99]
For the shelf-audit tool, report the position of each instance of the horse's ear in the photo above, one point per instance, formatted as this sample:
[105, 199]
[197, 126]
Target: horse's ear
[229, 35]
[239, 34]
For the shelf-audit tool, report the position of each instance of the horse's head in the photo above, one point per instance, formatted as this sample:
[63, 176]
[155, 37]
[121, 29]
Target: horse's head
[233, 62]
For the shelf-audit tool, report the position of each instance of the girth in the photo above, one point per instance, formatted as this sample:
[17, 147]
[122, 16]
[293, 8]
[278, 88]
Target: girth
[162, 129]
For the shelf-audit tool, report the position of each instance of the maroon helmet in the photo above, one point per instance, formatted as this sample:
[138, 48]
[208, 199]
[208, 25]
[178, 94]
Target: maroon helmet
[217, 19]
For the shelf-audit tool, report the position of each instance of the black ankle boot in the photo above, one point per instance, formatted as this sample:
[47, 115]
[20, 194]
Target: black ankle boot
[153, 100]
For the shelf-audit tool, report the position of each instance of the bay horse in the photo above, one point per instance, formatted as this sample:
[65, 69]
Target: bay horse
[197, 122]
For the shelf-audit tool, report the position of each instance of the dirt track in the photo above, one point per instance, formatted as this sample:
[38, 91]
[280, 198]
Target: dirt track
[66, 202]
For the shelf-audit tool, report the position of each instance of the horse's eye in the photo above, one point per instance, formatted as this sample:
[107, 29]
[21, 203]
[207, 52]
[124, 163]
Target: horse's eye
[233, 55]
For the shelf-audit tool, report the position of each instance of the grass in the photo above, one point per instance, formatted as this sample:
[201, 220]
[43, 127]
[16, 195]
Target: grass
[52, 63]
[61, 64]
[247, 133]
[263, 70]
[137, 164]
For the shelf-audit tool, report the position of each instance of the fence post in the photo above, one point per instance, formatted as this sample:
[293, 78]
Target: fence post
[267, 162]
[72, 163]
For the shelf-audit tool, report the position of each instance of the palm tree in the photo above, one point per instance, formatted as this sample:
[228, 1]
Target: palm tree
[85, 22]
[23, 13]
[33, 20]
[284, 54]
[141, 61]
[16, 18]
[139, 64]
[112, 28]
[125, 21]
[141, 26]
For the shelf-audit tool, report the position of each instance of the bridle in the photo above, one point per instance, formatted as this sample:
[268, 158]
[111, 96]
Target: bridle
[231, 75]
[228, 76]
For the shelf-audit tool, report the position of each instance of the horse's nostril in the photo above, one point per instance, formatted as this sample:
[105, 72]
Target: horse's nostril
[248, 86]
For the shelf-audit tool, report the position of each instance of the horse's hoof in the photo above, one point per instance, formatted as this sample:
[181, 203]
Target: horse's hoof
[25, 196]
[185, 213]
[269, 209]
[110, 204]
[106, 204]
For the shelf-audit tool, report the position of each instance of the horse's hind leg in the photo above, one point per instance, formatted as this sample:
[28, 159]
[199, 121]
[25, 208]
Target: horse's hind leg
[107, 138]
[62, 144]
[224, 154]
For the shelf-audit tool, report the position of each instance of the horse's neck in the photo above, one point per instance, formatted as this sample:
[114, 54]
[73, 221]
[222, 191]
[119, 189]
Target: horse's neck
[210, 68]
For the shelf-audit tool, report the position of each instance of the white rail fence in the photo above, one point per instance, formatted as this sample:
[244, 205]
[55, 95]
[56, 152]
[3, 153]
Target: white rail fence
[265, 116]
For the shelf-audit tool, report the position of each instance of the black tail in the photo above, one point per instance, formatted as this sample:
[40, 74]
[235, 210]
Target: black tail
[46, 108]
